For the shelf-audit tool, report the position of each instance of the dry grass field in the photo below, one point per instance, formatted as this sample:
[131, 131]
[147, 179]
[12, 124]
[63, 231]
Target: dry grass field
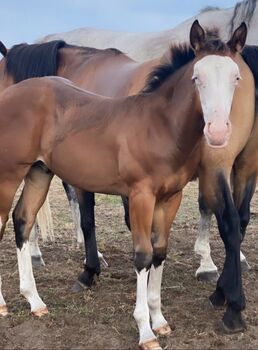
[102, 317]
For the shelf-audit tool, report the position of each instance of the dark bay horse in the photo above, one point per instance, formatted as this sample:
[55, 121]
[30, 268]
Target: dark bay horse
[147, 147]
[246, 165]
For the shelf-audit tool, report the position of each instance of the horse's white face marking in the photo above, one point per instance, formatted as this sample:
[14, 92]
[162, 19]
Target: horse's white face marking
[216, 78]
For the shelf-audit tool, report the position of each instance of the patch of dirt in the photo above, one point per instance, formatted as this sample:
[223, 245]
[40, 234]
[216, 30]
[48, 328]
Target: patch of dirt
[102, 318]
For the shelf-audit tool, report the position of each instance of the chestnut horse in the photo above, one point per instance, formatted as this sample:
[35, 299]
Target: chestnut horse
[146, 147]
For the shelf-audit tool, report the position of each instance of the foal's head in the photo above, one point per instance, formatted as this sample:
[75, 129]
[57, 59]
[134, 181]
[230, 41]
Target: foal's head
[216, 75]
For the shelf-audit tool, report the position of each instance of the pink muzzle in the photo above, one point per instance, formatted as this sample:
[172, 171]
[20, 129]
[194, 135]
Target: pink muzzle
[217, 133]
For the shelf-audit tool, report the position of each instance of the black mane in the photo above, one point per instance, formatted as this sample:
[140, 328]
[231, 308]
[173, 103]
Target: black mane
[26, 61]
[180, 56]
[250, 55]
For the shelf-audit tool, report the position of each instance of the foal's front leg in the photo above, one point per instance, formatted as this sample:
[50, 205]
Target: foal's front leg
[142, 203]
[164, 215]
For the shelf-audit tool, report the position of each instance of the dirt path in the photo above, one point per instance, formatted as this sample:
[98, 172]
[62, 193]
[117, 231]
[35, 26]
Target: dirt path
[101, 318]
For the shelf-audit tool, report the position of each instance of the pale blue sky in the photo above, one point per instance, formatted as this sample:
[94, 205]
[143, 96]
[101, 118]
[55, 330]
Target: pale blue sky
[27, 20]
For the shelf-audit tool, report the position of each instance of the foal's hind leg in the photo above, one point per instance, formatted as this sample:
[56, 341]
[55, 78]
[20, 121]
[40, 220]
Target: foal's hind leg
[33, 196]
[164, 215]
[7, 192]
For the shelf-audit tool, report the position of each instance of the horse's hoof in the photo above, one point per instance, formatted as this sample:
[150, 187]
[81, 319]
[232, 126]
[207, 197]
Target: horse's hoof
[3, 310]
[245, 267]
[208, 276]
[37, 261]
[40, 312]
[150, 345]
[230, 329]
[233, 322]
[162, 331]
[79, 287]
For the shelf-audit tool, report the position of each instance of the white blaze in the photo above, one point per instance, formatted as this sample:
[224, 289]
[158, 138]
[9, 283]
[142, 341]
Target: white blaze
[216, 78]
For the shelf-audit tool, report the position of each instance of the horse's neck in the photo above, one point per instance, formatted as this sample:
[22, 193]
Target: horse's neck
[130, 75]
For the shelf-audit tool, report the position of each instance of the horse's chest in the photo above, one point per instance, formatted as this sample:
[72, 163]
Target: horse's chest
[178, 178]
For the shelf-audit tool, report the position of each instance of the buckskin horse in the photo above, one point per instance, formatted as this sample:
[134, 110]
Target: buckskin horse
[146, 147]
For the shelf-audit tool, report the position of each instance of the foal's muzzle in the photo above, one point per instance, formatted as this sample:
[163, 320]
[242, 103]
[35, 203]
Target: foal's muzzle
[217, 133]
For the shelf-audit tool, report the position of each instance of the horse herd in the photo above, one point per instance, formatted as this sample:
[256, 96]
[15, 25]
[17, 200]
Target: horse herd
[162, 123]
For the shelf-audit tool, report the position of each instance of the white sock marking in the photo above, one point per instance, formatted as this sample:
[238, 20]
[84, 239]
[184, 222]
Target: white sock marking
[141, 312]
[202, 245]
[154, 296]
[27, 282]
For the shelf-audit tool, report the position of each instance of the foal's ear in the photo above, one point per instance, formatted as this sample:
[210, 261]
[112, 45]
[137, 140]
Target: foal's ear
[238, 39]
[3, 49]
[197, 36]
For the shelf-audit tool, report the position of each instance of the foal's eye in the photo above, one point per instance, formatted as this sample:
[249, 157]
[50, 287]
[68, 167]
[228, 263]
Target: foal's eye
[238, 78]
[194, 78]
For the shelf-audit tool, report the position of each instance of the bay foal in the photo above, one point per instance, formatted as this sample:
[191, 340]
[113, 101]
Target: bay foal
[146, 147]
[94, 70]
